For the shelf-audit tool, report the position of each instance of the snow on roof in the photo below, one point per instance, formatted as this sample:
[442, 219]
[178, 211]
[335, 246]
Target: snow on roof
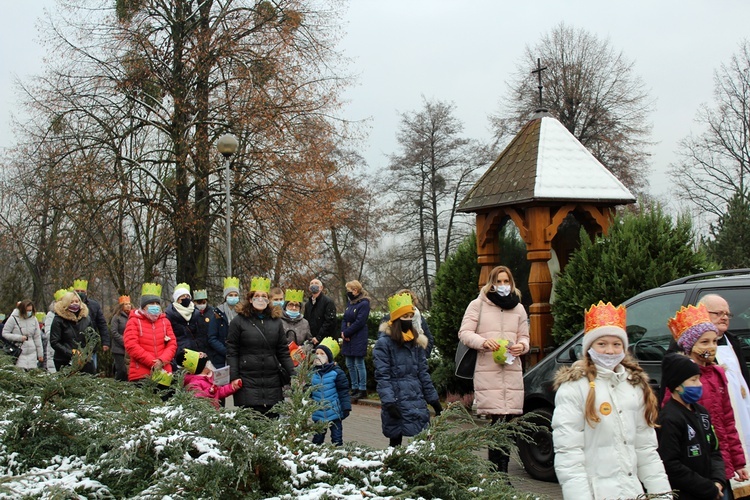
[567, 170]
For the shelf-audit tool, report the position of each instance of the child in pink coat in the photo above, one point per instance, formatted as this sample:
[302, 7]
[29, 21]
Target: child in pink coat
[200, 377]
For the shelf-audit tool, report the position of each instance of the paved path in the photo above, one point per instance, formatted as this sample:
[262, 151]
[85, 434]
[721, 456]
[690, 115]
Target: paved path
[363, 426]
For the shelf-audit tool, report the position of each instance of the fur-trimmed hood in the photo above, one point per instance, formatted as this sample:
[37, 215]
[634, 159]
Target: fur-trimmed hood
[61, 309]
[419, 338]
[577, 371]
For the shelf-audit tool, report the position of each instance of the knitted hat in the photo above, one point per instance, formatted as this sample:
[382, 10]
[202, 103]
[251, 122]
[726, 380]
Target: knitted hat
[602, 320]
[231, 285]
[689, 324]
[180, 289]
[399, 305]
[192, 361]
[200, 295]
[150, 292]
[326, 350]
[124, 299]
[676, 368]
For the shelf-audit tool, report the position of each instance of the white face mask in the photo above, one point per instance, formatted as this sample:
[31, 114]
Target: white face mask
[201, 307]
[503, 290]
[608, 361]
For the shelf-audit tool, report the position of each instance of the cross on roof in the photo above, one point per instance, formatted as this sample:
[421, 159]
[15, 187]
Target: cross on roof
[538, 71]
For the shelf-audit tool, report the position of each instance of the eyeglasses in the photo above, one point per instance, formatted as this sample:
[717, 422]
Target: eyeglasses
[721, 314]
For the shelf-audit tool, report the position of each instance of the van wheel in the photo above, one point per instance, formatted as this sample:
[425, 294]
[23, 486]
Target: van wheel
[538, 454]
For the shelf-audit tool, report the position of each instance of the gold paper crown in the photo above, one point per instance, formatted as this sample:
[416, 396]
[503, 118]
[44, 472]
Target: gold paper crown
[124, 299]
[294, 296]
[40, 317]
[61, 293]
[688, 317]
[260, 284]
[400, 304]
[183, 285]
[151, 289]
[80, 284]
[603, 314]
[190, 363]
[231, 282]
[332, 345]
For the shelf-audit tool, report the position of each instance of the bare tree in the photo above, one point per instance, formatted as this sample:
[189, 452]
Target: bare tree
[594, 92]
[427, 179]
[714, 165]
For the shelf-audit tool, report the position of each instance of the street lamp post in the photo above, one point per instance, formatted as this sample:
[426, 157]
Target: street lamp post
[227, 146]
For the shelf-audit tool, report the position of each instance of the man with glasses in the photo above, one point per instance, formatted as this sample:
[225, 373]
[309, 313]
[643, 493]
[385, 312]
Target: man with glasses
[718, 309]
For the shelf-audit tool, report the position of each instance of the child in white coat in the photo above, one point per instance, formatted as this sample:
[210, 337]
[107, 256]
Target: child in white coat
[605, 412]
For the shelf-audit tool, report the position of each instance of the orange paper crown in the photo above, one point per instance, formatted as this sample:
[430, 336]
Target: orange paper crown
[603, 314]
[688, 317]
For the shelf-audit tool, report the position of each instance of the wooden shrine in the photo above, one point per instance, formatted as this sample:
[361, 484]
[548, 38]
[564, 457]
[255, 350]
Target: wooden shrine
[543, 177]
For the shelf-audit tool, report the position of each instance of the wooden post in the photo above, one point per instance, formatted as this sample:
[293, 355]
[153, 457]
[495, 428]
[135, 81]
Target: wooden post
[488, 248]
[538, 247]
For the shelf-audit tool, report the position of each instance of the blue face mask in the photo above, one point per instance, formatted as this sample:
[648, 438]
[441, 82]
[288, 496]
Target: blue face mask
[292, 314]
[153, 309]
[233, 301]
[692, 394]
[279, 303]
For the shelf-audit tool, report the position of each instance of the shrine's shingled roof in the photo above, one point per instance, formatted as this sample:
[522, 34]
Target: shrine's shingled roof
[545, 162]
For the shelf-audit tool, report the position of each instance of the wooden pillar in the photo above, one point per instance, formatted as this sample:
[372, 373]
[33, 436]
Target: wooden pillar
[488, 248]
[538, 247]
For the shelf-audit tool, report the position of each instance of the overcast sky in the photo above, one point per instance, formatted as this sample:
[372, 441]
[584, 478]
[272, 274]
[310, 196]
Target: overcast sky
[465, 52]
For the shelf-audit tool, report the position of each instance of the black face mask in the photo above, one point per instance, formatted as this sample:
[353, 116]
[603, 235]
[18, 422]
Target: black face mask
[351, 296]
[185, 302]
[405, 325]
[83, 296]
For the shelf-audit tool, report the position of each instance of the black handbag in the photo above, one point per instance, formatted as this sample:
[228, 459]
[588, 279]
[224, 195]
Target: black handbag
[466, 357]
[11, 348]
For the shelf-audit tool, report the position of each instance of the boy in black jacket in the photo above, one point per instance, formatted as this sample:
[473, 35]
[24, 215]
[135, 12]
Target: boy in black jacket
[687, 443]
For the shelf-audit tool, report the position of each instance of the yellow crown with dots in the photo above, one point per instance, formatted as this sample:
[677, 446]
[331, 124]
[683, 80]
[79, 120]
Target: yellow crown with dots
[151, 289]
[332, 345]
[61, 293]
[232, 282]
[40, 317]
[400, 304]
[260, 284]
[294, 296]
[80, 284]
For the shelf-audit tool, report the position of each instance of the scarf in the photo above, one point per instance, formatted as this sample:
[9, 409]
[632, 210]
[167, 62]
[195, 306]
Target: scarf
[508, 302]
[185, 312]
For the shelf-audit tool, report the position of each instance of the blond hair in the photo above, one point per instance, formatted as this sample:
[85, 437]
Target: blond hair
[490, 285]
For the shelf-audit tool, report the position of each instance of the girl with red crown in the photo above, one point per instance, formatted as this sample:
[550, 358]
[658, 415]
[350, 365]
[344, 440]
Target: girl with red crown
[605, 413]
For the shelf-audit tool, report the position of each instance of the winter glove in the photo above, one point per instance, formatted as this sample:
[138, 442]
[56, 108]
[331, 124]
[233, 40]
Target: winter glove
[346, 414]
[393, 411]
[436, 406]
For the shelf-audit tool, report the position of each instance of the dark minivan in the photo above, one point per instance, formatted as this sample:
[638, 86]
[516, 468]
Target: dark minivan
[649, 338]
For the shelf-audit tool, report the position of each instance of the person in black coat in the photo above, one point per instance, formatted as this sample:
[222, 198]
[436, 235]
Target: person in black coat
[257, 351]
[687, 444]
[95, 313]
[66, 333]
[184, 318]
[320, 312]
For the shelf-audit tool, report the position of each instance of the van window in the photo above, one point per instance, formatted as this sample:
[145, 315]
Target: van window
[648, 334]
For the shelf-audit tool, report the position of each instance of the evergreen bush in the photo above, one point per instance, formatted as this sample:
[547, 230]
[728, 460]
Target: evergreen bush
[641, 251]
[730, 246]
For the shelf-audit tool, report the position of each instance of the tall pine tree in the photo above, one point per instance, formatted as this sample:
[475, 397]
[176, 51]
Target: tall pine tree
[730, 246]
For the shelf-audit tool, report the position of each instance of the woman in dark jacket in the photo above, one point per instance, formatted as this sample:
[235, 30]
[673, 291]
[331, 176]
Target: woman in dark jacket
[256, 345]
[184, 318]
[66, 334]
[354, 335]
[116, 330]
[404, 385]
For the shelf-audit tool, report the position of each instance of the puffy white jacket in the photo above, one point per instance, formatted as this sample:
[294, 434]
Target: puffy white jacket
[15, 329]
[612, 459]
